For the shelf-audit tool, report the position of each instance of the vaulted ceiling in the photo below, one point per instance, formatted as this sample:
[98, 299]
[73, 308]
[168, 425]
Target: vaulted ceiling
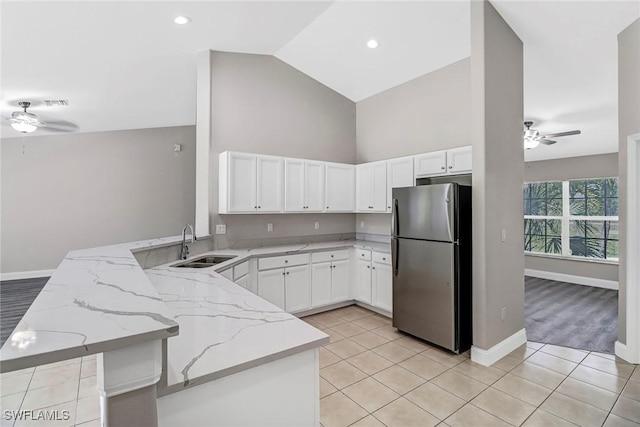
[126, 65]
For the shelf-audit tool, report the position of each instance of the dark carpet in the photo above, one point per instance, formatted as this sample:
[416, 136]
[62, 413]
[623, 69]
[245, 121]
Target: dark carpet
[16, 297]
[571, 315]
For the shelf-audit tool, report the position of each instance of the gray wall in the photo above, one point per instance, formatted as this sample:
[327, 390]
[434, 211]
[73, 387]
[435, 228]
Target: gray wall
[75, 191]
[429, 113]
[598, 166]
[498, 175]
[262, 105]
[628, 124]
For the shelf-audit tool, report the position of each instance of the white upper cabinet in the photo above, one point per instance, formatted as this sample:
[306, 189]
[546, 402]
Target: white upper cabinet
[399, 174]
[254, 183]
[430, 164]
[314, 186]
[238, 182]
[304, 185]
[250, 183]
[371, 187]
[459, 160]
[340, 187]
[294, 194]
[269, 184]
[446, 162]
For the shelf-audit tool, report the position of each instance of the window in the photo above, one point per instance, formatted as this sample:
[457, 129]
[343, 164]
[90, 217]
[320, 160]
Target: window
[572, 218]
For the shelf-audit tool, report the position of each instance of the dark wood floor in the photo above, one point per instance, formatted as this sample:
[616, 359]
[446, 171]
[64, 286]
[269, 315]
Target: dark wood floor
[15, 298]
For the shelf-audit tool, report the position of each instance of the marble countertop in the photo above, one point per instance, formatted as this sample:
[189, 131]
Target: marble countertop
[225, 328]
[100, 299]
[97, 300]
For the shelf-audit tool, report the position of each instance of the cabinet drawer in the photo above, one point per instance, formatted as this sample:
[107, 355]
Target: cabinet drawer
[240, 270]
[282, 261]
[382, 258]
[363, 254]
[329, 256]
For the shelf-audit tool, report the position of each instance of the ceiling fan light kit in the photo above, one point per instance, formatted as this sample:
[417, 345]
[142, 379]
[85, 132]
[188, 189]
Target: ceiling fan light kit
[22, 121]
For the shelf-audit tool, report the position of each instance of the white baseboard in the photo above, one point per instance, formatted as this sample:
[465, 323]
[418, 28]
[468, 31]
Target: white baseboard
[624, 352]
[498, 351]
[570, 278]
[18, 275]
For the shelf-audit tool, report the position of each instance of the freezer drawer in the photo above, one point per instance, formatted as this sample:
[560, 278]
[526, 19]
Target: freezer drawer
[424, 290]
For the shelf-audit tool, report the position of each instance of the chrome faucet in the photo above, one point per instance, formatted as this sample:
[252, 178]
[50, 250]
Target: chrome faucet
[185, 249]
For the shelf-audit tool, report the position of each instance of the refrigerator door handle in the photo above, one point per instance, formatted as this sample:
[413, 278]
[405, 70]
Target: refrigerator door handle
[395, 251]
[394, 218]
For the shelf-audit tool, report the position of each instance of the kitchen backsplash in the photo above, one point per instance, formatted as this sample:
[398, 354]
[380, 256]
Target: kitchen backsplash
[221, 242]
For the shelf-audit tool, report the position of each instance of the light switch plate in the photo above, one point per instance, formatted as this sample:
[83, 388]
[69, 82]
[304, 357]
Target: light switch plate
[361, 224]
[269, 227]
[316, 225]
[221, 228]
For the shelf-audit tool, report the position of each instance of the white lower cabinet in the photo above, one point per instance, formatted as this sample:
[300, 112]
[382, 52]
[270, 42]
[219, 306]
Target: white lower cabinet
[297, 289]
[329, 282]
[340, 281]
[321, 284]
[373, 279]
[289, 288]
[381, 286]
[363, 289]
[271, 286]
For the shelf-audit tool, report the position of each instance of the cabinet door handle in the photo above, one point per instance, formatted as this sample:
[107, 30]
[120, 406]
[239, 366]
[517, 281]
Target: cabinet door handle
[287, 272]
[283, 273]
[327, 207]
[331, 256]
[258, 207]
[384, 259]
[373, 268]
[286, 261]
[450, 167]
[368, 266]
[255, 207]
[442, 167]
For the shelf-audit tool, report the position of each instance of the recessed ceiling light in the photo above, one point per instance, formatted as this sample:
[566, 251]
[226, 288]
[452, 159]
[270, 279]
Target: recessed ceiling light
[372, 44]
[182, 20]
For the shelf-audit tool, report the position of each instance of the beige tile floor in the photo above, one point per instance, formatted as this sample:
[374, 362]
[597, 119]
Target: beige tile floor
[373, 375]
[64, 386]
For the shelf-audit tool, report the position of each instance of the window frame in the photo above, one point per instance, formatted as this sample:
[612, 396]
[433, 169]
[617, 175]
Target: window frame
[566, 219]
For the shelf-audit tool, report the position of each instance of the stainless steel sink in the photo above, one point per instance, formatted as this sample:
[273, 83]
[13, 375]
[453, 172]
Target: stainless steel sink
[205, 261]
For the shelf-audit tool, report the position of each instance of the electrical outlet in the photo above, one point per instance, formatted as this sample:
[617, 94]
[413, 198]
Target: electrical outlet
[177, 147]
[269, 227]
[316, 225]
[221, 229]
[503, 313]
[361, 224]
[503, 235]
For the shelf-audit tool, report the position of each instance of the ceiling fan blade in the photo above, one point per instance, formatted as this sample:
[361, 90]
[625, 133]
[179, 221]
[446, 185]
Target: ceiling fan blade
[547, 141]
[58, 126]
[555, 135]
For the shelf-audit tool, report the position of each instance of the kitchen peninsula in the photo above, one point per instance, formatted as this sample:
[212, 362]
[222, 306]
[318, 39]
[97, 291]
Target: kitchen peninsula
[208, 348]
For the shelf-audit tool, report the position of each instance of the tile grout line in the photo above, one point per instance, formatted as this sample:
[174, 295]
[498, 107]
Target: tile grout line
[553, 391]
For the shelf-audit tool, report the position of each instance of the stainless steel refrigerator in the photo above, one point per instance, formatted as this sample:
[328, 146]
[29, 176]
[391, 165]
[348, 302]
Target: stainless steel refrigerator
[431, 261]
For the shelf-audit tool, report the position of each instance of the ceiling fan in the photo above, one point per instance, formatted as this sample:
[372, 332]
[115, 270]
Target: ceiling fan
[25, 122]
[532, 138]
